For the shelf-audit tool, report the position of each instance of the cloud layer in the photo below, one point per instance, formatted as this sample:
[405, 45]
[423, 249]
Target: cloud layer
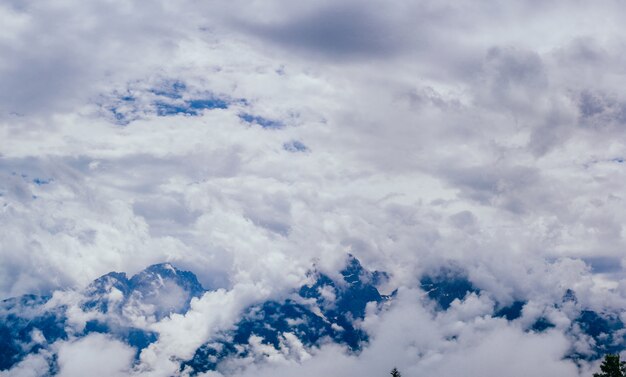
[243, 141]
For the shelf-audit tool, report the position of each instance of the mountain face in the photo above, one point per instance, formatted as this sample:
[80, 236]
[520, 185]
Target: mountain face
[113, 303]
[447, 285]
[324, 310]
[606, 329]
[27, 326]
[157, 291]
[327, 309]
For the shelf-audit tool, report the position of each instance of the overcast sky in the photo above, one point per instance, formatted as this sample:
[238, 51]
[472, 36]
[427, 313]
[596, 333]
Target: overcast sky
[409, 133]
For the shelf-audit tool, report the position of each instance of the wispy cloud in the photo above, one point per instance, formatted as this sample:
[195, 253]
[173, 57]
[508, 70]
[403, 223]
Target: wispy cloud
[244, 140]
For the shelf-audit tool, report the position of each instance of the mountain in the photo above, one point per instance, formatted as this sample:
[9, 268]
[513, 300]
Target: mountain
[27, 326]
[328, 308]
[606, 330]
[446, 285]
[324, 310]
[113, 302]
[157, 291]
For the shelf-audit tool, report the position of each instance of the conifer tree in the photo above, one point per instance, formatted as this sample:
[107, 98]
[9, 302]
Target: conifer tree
[612, 367]
[395, 373]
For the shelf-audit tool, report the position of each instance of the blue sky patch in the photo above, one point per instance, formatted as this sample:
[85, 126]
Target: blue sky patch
[209, 104]
[166, 109]
[191, 107]
[166, 98]
[171, 89]
[123, 107]
[263, 122]
[120, 116]
[40, 181]
[295, 146]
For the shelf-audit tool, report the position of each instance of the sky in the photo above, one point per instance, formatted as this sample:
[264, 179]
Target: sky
[243, 140]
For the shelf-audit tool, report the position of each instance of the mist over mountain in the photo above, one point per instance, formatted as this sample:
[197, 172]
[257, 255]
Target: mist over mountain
[291, 328]
[312, 188]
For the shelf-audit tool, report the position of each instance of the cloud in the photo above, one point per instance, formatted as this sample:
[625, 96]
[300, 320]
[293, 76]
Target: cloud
[413, 340]
[336, 30]
[32, 366]
[96, 355]
[413, 135]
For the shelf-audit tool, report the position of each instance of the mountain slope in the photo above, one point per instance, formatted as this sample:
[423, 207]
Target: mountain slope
[328, 308]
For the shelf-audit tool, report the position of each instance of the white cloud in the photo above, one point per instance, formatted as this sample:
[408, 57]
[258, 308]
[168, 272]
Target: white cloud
[486, 134]
[416, 342]
[32, 366]
[95, 355]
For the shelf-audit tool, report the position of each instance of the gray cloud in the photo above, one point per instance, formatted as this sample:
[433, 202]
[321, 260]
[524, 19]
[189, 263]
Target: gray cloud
[61, 54]
[478, 135]
[96, 355]
[337, 30]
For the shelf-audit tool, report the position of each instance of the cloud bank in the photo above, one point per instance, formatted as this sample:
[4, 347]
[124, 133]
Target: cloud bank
[244, 141]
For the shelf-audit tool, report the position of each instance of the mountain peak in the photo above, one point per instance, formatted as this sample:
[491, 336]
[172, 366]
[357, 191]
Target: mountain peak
[353, 270]
[159, 290]
[158, 275]
[162, 268]
[446, 285]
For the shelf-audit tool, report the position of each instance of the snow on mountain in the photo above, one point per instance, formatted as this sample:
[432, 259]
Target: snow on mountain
[112, 304]
[328, 308]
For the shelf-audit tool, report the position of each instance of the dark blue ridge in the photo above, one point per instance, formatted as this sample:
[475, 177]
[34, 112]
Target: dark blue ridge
[607, 329]
[357, 289]
[446, 286]
[511, 312]
[102, 287]
[25, 301]
[19, 318]
[541, 324]
[135, 337]
[361, 289]
[140, 339]
[595, 325]
[145, 285]
[570, 296]
[187, 280]
[326, 309]
[299, 316]
[53, 365]
[271, 319]
[10, 349]
[208, 356]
